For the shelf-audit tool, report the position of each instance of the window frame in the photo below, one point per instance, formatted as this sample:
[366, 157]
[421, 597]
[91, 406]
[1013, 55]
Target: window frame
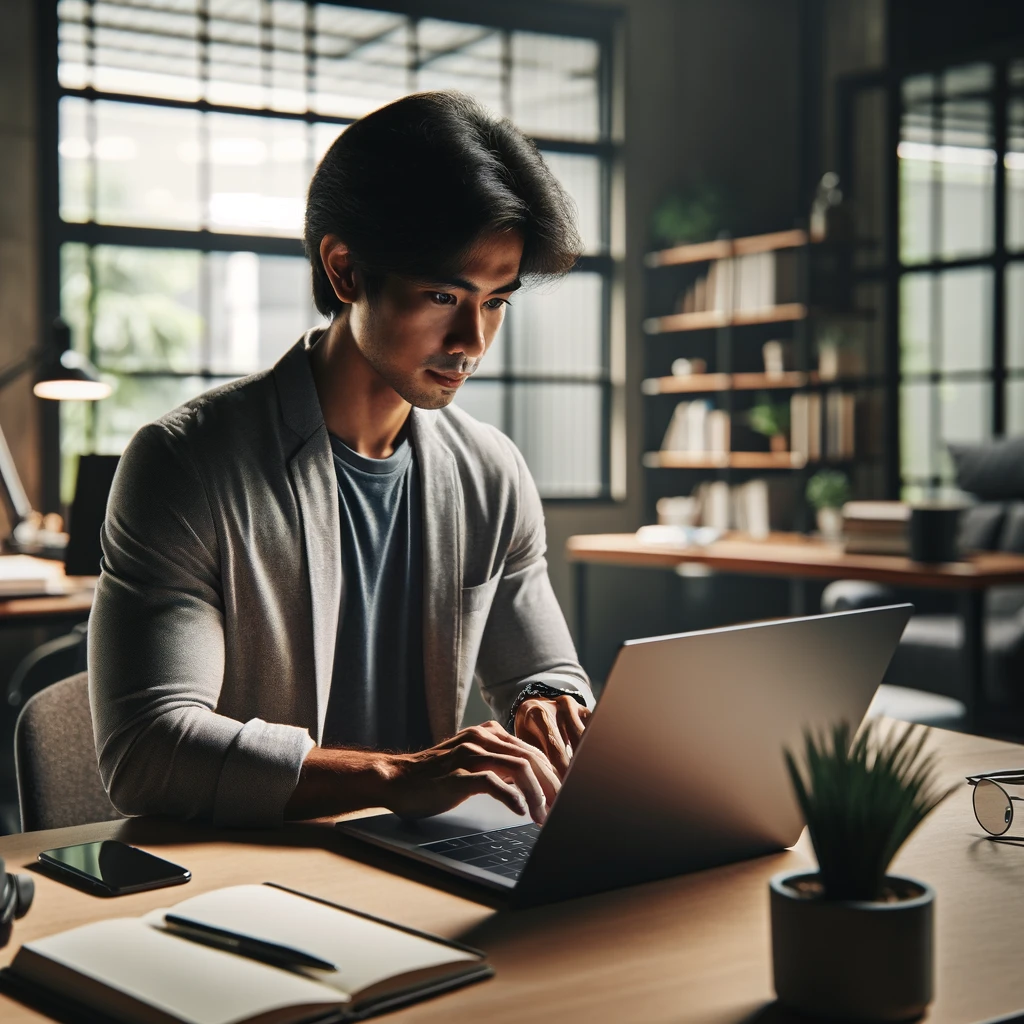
[598, 24]
[893, 270]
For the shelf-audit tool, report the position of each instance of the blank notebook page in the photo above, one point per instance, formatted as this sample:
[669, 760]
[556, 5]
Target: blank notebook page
[364, 951]
[189, 981]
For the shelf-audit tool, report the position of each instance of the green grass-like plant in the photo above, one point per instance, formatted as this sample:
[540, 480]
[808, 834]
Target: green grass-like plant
[861, 800]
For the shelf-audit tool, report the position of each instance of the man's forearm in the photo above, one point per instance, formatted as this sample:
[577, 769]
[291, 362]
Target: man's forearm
[337, 781]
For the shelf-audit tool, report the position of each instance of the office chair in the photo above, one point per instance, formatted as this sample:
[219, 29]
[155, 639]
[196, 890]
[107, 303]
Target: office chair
[55, 755]
[47, 664]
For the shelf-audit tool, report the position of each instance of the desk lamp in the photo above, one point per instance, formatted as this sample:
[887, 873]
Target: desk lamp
[63, 375]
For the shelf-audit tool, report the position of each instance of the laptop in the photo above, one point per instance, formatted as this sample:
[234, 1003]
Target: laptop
[681, 766]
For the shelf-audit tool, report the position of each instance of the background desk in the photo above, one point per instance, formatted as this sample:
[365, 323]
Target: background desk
[798, 557]
[694, 948]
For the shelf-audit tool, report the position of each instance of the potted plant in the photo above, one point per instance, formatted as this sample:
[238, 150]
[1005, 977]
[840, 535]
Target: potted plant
[772, 420]
[849, 941]
[828, 491]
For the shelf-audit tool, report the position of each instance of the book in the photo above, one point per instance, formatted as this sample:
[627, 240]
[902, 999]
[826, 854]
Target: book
[876, 527]
[25, 576]
[140, 970]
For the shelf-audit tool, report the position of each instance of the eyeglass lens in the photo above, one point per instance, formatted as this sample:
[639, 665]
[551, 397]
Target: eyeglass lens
[992, 807]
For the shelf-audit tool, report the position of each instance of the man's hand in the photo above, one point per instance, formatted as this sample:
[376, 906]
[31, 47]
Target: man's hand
[480, 759]
[554, 725]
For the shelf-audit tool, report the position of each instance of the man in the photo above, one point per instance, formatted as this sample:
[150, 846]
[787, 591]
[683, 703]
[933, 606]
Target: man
[304, 570]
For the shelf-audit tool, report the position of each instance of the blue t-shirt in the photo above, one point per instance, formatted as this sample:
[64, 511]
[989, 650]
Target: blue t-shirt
[377, 691]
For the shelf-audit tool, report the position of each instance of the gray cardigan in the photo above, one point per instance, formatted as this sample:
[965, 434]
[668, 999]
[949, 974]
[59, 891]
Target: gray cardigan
[211, 640]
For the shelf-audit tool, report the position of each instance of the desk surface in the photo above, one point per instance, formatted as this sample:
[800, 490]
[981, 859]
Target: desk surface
[73, 598]
[796, 555]
[693, 948]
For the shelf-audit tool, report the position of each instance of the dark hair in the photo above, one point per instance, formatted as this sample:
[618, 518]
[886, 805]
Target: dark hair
[410, 187]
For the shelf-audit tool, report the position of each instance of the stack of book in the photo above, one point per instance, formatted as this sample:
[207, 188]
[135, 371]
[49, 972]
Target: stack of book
[743, 284]
[754, 508]
[696, 428]
[816, 436]
[876, 527]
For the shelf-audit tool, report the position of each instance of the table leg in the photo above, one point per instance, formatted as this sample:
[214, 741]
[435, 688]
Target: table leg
[972, 609]
[580, 580]
[797, 597]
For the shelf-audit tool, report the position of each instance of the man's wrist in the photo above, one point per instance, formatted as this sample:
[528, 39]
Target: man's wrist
[337, 781]
[539, 691]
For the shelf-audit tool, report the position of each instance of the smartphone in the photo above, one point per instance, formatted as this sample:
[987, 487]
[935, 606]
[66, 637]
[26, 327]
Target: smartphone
[111, 868]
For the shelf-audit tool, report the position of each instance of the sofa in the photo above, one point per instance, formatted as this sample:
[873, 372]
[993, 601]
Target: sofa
[929, 655]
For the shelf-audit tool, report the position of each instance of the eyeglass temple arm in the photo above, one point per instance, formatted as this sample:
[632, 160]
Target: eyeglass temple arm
[1004, 776]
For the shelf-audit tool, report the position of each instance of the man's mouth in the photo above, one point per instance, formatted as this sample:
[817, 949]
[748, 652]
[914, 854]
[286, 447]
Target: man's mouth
[446, 380]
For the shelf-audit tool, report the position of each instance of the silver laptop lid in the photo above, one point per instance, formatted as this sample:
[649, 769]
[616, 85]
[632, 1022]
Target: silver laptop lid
[681, 766]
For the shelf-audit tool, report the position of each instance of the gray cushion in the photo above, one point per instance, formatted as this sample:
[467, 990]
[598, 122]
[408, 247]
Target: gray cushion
[929, 657]
[980, 527]
[1012, 536]
[992, 471]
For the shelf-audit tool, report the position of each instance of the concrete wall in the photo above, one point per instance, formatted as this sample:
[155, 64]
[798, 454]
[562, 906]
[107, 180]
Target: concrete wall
[711, 92]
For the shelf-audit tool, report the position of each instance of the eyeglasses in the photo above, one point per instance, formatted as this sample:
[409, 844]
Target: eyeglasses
[993, 806]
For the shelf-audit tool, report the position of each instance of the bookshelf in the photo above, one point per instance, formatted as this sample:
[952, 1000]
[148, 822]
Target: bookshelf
[729, 295]
[724, 460]
[704, 320]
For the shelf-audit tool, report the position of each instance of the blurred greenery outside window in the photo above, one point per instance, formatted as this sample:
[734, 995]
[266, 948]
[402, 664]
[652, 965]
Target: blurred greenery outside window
[188, 131]
[950, 390]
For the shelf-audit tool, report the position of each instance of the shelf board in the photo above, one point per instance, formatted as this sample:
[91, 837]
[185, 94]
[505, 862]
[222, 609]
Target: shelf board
[725, 247]
[676, 322]
[722, 382]
[790, 380]
[724, 460]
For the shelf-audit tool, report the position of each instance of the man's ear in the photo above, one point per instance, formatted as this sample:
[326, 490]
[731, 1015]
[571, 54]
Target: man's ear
[341, 272]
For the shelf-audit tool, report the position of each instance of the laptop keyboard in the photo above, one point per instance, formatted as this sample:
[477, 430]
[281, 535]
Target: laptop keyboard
[503, 851]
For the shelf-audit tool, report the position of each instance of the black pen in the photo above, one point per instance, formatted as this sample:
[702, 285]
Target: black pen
[246, 945]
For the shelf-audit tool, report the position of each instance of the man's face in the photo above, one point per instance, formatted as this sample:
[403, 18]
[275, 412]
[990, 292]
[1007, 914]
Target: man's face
[424, 338]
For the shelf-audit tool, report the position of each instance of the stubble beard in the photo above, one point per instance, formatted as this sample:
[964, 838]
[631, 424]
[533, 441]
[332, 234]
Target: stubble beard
[404, 385]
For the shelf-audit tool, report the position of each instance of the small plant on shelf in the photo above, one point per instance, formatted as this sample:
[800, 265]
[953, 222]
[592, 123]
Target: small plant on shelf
[694, 214]
[850, 940]
[772, 420]
[828, 488]
[828, 491]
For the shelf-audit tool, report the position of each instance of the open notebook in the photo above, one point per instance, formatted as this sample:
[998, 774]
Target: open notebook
[138, 970]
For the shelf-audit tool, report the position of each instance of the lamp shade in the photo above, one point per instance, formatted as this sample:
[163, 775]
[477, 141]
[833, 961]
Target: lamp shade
[71, 377]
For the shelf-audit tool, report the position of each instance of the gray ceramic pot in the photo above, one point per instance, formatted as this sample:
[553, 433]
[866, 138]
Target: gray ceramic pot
[852, 961]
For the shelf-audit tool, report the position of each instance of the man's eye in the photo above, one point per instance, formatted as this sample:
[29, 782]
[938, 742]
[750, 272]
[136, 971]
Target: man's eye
[443, 298]
[495, 303]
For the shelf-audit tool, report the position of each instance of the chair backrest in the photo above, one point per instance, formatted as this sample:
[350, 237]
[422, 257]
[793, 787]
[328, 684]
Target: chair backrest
[58, 779]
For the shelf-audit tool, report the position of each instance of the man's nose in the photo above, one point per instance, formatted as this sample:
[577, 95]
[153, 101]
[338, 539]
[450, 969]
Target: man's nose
[467, 333]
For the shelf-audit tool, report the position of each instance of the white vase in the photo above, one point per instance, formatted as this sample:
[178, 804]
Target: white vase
[830, 523]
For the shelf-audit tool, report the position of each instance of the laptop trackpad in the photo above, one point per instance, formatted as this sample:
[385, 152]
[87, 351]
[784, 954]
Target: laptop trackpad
[480, 813]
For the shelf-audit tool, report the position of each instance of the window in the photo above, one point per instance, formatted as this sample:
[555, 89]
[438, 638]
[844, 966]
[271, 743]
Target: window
[187, 133]
[961, 247]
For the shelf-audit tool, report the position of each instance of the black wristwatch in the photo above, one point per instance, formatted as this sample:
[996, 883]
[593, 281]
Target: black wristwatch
[538, 690]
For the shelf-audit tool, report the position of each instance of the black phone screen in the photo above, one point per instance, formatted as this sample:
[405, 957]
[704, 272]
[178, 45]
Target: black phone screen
[114, 866]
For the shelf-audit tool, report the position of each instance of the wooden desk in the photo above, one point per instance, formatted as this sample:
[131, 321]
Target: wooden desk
[689, 949]
[798, 557]
[73, 602]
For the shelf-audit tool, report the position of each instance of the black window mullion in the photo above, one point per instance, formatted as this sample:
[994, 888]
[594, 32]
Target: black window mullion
[1001, 103]
[309, 57]
[92, 428]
